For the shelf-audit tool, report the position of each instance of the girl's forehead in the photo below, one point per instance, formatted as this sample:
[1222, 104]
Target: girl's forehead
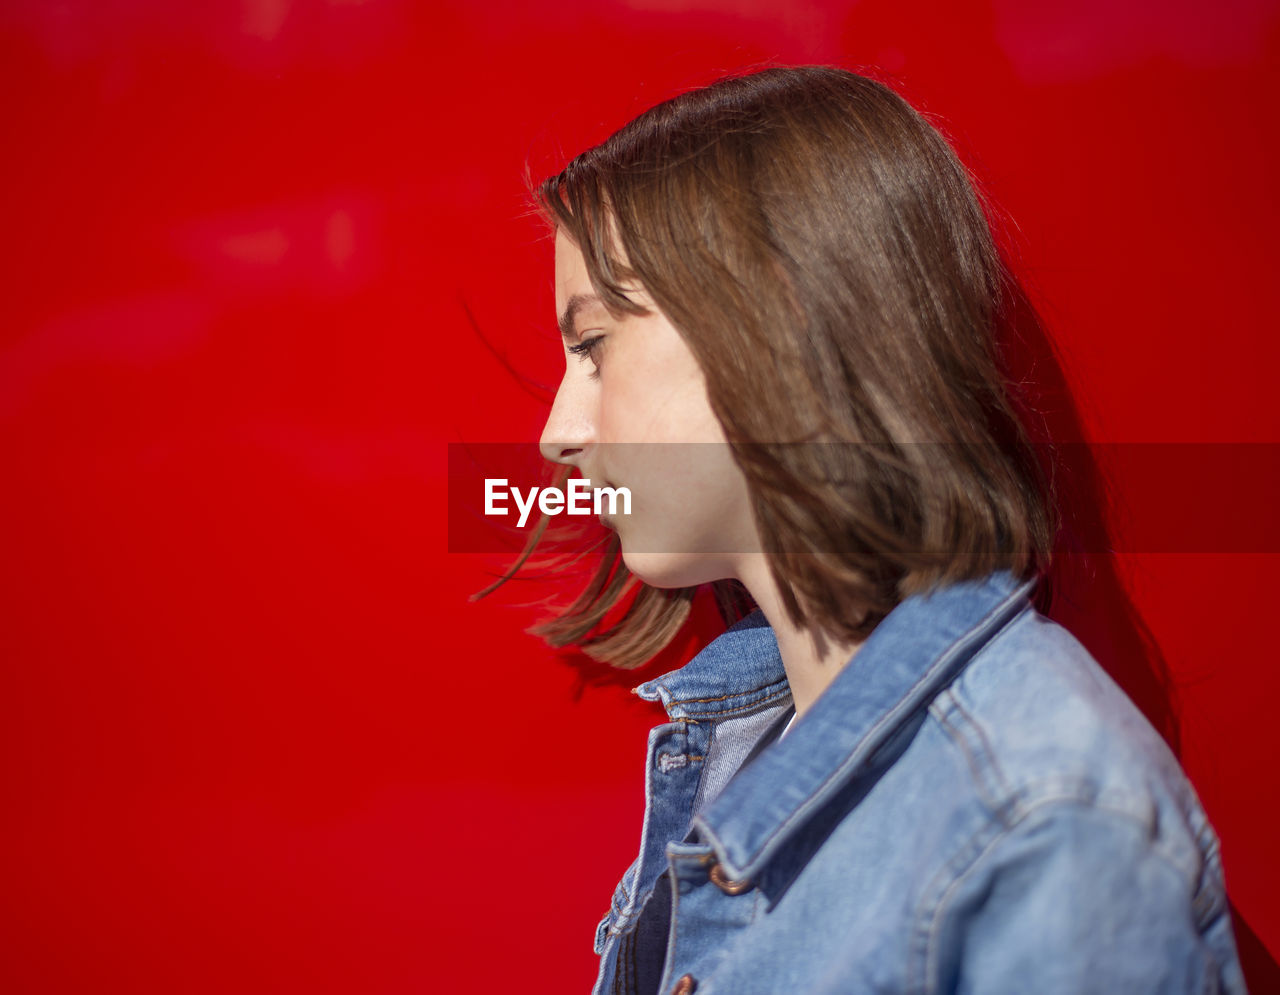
[573, 276]
[569, 260]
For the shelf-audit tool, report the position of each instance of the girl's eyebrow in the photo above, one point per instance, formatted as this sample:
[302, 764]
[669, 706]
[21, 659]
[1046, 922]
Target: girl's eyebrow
[576, 304]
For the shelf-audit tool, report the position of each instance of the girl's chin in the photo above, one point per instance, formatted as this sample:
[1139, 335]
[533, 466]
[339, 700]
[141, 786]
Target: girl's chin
[671, 570]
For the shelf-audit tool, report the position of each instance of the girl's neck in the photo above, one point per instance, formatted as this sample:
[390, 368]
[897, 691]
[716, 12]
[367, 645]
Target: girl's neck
[811, 659]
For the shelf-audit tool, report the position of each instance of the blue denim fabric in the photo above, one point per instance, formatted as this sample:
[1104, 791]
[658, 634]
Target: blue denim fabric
[971, 806]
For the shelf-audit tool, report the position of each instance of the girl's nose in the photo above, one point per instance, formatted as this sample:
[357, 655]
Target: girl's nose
[570, 429]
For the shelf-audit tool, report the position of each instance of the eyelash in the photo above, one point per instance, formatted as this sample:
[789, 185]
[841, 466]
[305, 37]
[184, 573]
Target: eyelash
[584, 351]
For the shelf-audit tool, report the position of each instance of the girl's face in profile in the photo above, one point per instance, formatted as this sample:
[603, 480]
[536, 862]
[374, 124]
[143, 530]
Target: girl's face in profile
[632, 411]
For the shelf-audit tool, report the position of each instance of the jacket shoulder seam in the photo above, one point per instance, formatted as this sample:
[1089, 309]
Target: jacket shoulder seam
[967, 859]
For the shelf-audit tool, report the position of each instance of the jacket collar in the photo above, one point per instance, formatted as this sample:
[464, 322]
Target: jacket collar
[909, 657]
[739, 671]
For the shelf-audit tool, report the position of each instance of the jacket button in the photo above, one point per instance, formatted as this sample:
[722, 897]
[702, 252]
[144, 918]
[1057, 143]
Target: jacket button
[726, 883]
[685, 986]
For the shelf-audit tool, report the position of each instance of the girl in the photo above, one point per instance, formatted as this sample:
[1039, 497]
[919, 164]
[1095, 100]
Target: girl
[781, 304]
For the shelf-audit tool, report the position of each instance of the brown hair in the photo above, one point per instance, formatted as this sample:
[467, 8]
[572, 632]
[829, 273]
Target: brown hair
[827, 259]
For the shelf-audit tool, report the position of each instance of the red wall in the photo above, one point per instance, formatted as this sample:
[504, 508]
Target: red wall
[253, 735]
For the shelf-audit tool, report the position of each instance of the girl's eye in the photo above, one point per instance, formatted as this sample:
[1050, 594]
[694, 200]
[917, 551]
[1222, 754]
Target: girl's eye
[589, 349]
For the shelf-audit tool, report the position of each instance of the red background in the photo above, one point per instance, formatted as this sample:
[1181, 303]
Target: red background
[254, 735]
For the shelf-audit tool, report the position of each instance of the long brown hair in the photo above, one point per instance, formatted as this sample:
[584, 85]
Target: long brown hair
[831, 266]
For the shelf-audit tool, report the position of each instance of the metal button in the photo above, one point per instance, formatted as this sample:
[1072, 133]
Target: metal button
[726, 883]
[685, 985]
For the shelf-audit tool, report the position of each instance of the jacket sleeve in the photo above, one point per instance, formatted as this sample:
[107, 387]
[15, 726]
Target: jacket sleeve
[1076, 898]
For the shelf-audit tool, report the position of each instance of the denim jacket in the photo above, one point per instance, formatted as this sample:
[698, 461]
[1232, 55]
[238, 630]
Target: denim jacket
[971, 806]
